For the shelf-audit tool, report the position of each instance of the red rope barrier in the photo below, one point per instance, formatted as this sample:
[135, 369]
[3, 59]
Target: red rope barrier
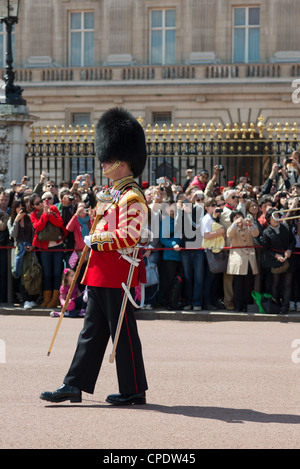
[159, 249]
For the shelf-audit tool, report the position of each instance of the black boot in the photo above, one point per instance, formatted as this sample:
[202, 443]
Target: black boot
[64, 393]
[127, 399]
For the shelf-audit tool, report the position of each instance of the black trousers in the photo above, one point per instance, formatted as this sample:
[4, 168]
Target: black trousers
[242, 287]
[100, 322]
[282, 288]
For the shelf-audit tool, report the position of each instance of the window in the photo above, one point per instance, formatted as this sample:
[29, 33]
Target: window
[246, 35]
[160, 118]
[162, 37]
[81, 118]
[3, 39]
[81, 39]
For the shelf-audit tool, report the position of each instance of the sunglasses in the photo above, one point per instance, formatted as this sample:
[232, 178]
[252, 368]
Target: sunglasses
[38, 203]
[221, 205]
[48, 198]
[234, 196]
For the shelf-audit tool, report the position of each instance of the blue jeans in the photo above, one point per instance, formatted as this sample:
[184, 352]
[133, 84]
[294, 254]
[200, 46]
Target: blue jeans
[52, 265]
[197, 278]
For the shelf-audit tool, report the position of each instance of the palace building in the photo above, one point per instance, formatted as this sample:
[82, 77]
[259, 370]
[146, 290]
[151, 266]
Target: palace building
[169, 62]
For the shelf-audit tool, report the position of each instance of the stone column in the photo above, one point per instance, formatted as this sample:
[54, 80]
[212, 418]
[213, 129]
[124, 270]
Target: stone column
[14, 130]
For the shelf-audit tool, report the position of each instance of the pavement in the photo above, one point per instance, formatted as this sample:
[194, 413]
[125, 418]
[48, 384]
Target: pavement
[216, 381]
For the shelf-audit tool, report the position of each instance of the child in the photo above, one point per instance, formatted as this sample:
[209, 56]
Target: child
[77, 300]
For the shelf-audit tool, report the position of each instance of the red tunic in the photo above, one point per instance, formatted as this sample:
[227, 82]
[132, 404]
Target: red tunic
[120, 227]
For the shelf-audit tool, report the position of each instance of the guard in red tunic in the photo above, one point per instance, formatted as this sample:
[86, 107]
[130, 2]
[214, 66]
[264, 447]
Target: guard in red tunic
[121, 148]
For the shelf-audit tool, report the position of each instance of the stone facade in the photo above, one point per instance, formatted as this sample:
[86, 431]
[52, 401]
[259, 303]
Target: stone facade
[202, 86]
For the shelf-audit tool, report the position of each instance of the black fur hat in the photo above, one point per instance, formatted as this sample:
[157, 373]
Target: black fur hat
[119, 136]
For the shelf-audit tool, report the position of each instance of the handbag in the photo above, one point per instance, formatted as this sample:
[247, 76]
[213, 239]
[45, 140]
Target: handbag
[217, 261]
[280, 270]
[152, 274]
[33, 277]
[50, 233]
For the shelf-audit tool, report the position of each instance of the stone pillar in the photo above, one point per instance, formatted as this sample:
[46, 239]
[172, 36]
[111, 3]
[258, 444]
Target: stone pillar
[14, 130]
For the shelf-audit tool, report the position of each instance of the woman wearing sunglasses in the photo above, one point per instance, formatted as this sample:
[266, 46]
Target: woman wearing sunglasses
[51, 256]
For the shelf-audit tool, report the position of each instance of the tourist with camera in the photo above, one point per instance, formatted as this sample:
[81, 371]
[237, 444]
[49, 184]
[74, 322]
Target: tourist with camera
[80, 225]
[278, 245]
[292, 165]
[21, 230]
[49, 233]
[242, 262]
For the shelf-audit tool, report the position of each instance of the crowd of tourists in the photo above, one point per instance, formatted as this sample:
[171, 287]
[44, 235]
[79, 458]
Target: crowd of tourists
[192, 226]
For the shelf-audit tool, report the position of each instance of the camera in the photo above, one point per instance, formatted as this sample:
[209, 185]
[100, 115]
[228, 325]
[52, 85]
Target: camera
[289, 160]
[26, 178]
[160, 180]
[219, 210]
[70, 197]
[221, 167]
[280, 166]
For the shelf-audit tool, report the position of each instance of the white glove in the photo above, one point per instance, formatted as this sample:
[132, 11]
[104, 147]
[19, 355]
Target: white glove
[88, 241]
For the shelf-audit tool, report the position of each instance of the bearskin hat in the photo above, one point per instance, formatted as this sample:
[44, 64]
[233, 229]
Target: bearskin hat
[119, 136]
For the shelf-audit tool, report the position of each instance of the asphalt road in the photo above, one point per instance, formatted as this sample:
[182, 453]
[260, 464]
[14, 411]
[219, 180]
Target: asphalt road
[211, 385]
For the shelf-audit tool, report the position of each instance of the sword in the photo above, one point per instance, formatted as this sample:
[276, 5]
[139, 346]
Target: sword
[106, 199]
[145, 238]
[123, 305]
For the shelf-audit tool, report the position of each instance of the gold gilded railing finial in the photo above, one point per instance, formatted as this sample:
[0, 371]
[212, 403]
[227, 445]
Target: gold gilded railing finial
[261, 125]
[181, 133]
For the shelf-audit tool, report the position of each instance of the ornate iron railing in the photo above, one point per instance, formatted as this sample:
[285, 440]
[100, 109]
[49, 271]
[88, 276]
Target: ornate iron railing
[171, 149]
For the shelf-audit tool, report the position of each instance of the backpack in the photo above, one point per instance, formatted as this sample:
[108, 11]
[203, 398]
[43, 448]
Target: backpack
[266, 303]
[33, 278]
[176, 292]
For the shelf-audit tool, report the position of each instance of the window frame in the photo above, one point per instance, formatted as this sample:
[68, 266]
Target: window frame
[82, 32]
[163, 28]
[247, 27]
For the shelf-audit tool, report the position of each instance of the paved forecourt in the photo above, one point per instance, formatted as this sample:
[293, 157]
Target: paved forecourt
[212, 384]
